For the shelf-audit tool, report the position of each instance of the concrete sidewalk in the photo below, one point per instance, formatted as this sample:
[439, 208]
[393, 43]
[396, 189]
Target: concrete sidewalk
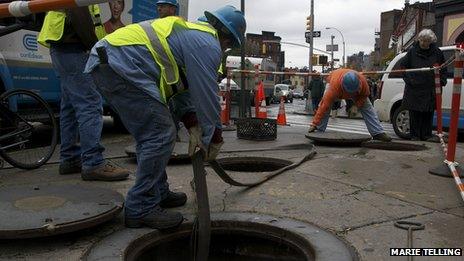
[355, 193]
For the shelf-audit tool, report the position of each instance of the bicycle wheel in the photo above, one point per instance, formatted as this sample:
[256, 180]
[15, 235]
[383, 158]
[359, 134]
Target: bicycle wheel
[28, 129]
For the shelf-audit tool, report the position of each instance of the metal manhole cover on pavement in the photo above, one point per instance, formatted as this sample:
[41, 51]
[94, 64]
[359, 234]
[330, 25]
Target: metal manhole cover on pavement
[335, 138]
[393, 145]
[31, 211]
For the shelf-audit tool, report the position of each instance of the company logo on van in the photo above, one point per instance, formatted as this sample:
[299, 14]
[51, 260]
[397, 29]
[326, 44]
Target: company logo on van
[30, 42]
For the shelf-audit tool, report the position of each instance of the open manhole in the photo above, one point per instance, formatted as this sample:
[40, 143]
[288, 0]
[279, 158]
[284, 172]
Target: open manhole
[234, 236]
[253, 164]
[393, 145]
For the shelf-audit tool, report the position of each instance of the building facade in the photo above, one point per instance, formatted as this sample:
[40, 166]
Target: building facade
[449, 17]
[414, 18]
[256, 46]
[388, 23]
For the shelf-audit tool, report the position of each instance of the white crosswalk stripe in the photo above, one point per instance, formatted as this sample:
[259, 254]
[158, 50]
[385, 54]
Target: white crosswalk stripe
[352, 126]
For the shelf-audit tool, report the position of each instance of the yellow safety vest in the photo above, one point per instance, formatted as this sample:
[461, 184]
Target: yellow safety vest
[53, 26]
[153, 34]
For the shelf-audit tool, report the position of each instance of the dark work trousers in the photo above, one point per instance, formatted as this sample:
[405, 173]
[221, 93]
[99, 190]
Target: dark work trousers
[420, 124]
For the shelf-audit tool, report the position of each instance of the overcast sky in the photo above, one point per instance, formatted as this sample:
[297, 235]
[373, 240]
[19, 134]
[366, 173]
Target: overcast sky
[356, 19]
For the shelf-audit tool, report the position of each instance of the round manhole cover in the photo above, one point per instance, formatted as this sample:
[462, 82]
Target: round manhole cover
[393, 145]
[44, 210]
[252, 164]
[179, 154]
[234, 236]
[335, 138]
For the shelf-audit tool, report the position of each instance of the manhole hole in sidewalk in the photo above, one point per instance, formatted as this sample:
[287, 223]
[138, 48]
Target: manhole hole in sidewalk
[397, 146]
[253, 164]
[234, 236]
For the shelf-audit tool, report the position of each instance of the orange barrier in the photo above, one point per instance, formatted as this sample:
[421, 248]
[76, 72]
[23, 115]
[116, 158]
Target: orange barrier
[260, 102]
[23, 8]
[450, 149]
[281, 117]
[225, 103]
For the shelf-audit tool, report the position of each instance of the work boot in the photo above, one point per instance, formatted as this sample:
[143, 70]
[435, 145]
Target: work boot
[108, 172]
[70, 167]
[382, 137]
[174, 199]
[158, 218]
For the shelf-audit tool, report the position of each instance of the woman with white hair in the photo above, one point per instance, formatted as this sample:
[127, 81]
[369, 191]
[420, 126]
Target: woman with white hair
[419, 92]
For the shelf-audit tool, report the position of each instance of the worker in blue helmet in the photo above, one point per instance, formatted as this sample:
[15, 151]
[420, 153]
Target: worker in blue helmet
[137, 69]
[348, 84]
[167, 8]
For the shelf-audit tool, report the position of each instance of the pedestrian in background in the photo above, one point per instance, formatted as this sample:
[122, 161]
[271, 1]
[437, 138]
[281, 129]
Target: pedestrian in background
[316, 87]
[348, 84]
[419, 90]
[70, 34]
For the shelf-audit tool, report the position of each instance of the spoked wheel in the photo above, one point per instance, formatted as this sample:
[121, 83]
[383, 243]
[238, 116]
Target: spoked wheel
[28, 129]
[401, 122]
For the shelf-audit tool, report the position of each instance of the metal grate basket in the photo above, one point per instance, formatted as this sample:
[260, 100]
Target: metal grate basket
[256, 129]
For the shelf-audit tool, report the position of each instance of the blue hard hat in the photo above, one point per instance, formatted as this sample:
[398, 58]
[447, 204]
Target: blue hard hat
[230, 18]
[350, 82]
[169, 2]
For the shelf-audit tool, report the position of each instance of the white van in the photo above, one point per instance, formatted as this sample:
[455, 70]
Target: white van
[388, 105]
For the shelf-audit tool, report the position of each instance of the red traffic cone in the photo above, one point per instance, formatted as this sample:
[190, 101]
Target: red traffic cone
[281, 117]
[225, 116]
[260, 102]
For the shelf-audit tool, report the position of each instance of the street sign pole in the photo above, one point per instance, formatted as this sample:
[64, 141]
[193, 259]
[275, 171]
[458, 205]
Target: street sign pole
[243, 99]
[310, 63]
[332, 52]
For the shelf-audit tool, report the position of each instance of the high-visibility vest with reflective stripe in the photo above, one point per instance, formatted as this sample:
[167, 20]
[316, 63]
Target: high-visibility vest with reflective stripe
[153, 34]
[53, 26]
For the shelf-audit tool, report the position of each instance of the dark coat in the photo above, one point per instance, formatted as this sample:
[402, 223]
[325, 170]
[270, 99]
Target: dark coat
[316, 86]
[419, 91]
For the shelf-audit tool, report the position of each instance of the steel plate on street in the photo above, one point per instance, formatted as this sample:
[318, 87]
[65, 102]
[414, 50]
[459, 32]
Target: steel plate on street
[31, 211]
[337, 138]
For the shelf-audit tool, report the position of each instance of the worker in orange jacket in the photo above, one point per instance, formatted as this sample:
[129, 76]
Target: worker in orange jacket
[348, 84]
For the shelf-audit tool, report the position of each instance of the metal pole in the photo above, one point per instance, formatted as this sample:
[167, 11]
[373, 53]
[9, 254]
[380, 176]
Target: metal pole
[243, 92]
[311, 44]
[332, 52]
[343, 39]
[310, 62]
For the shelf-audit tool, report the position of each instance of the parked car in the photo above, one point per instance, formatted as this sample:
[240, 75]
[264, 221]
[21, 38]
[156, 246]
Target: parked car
[298, 95]
[283, 90]
[388, 105]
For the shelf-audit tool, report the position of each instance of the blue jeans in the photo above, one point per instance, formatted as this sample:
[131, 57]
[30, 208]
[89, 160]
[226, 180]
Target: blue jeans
[81, 110]
[369, 115]
[152, 126]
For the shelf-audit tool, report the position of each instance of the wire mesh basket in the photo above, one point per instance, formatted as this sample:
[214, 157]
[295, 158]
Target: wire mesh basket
[256, 129]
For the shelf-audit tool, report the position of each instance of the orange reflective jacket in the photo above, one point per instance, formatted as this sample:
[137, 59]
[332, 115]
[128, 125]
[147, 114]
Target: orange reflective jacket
[336, 92]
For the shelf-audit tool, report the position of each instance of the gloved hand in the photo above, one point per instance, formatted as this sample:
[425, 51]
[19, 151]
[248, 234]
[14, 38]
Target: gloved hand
[214, 146]
[213, 151]
[312, 128]
[195, 139]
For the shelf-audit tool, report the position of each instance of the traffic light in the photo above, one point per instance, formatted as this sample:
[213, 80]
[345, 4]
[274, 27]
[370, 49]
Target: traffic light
[309, 23]
[315, 59]
[264, 49]
[323, 59]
